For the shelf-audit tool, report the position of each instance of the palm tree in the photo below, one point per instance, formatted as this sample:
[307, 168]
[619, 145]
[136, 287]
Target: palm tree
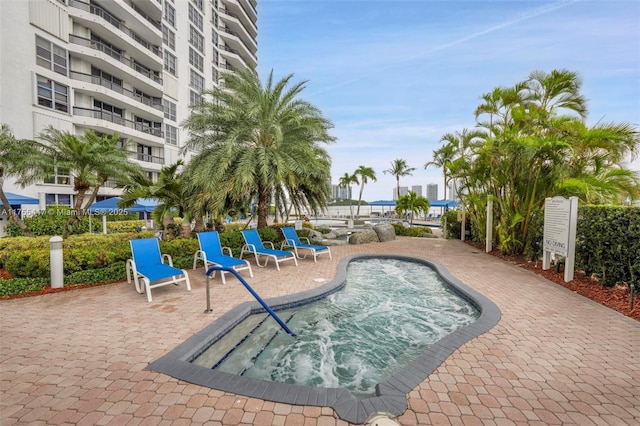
[399, 168]
[363, 173]
[24, 160]
[345, 181]
[413, 204]
[255, 140]
[442, 157]
[170, 190]
[90, 159]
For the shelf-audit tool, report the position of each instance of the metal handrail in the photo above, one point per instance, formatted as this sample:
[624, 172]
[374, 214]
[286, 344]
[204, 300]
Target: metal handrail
[251, 290]
[94, 79]
[117, 119]
[153, 75]
[104, 14]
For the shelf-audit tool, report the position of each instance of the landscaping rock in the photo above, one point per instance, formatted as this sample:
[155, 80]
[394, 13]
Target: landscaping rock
[364, 237]
[315, 236]
[385, 232]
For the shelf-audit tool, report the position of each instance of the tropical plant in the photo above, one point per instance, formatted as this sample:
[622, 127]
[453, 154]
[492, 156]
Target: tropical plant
[363, 173]
[258, 142]
[345, 182]
[21, 159]
[412, 203]
[170, 191]
[532, 143]
[399, 168]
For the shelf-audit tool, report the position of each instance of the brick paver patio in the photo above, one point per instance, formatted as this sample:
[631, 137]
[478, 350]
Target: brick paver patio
[555, 357]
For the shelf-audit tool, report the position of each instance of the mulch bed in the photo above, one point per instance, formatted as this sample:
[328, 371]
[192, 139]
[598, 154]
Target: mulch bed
[616, 298]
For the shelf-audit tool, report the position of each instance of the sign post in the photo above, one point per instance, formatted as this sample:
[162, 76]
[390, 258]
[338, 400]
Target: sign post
[560, 220]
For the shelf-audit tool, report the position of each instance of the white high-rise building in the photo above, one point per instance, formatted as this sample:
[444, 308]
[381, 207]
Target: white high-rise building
[417, 189]
[432, 191]
[404, 190]
[131, 67]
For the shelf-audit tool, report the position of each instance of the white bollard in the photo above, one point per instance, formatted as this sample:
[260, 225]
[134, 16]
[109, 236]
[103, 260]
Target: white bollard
[57, 267]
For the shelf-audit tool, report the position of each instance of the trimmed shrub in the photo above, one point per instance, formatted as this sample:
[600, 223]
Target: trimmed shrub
[415, 231]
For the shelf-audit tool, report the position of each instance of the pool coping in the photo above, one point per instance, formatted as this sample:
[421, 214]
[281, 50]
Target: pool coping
[391, 394]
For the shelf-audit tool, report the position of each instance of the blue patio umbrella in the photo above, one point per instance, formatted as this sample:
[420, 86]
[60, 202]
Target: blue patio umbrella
[110, 205]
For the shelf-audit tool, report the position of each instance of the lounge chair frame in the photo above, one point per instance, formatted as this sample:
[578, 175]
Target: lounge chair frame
[212, 253]
[254, 244]
[148, 265]
[291, 239]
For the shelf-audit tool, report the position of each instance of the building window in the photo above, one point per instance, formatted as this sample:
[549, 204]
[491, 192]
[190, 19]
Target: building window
[170, 110]
[196, 81]
[51, 56]
[194, 98]
[58, 176]
[196, 60]
[196, 39]
[148, 126]
[170, 14]
[52, 94]
[169, 62]
[198, 4]
[216, 57]
[195, 17]
[171, 134]
[60, 199]
[144, 153]
[105, 79]
[168, 37]
[214, 37]
[214, 75]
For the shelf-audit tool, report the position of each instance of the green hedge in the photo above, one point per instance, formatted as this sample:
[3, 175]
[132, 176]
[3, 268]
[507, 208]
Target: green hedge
[414, 231]
[608, 243]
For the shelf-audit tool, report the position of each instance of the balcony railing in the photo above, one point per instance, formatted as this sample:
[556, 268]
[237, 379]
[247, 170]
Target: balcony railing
[144, 15]
[153, 75]
[228, 31]
[117, 119]
[94, 79]
[99, 11]
[148, 158]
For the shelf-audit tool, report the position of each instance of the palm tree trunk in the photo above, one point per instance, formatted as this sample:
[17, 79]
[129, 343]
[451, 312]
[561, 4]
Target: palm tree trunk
[263, 198]
[12, 216]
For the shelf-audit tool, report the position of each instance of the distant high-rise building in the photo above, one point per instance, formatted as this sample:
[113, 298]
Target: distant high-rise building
[453, 192]
[404, 190]
[417, 189]
[432, 192]
[340, 192]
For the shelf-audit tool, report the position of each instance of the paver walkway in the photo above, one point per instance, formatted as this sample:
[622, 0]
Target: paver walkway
[80, 357]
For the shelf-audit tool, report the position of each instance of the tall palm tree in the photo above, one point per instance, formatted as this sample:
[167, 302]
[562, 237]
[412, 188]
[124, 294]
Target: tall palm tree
[399, 168]
[254, 138]
[24, 160]
[363, 173]
[345, 181]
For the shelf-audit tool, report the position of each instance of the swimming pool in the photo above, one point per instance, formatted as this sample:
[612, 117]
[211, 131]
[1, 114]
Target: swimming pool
[385, 393]
[388, 311]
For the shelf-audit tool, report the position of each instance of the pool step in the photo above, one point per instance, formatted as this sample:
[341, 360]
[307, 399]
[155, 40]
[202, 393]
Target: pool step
[238, 349]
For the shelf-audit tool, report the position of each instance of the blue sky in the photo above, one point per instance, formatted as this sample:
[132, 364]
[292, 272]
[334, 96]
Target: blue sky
[395, 75]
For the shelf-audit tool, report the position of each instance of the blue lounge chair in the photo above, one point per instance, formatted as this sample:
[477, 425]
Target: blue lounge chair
[292, 240]
[254, 245]
[147, 264]
[212, 252]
